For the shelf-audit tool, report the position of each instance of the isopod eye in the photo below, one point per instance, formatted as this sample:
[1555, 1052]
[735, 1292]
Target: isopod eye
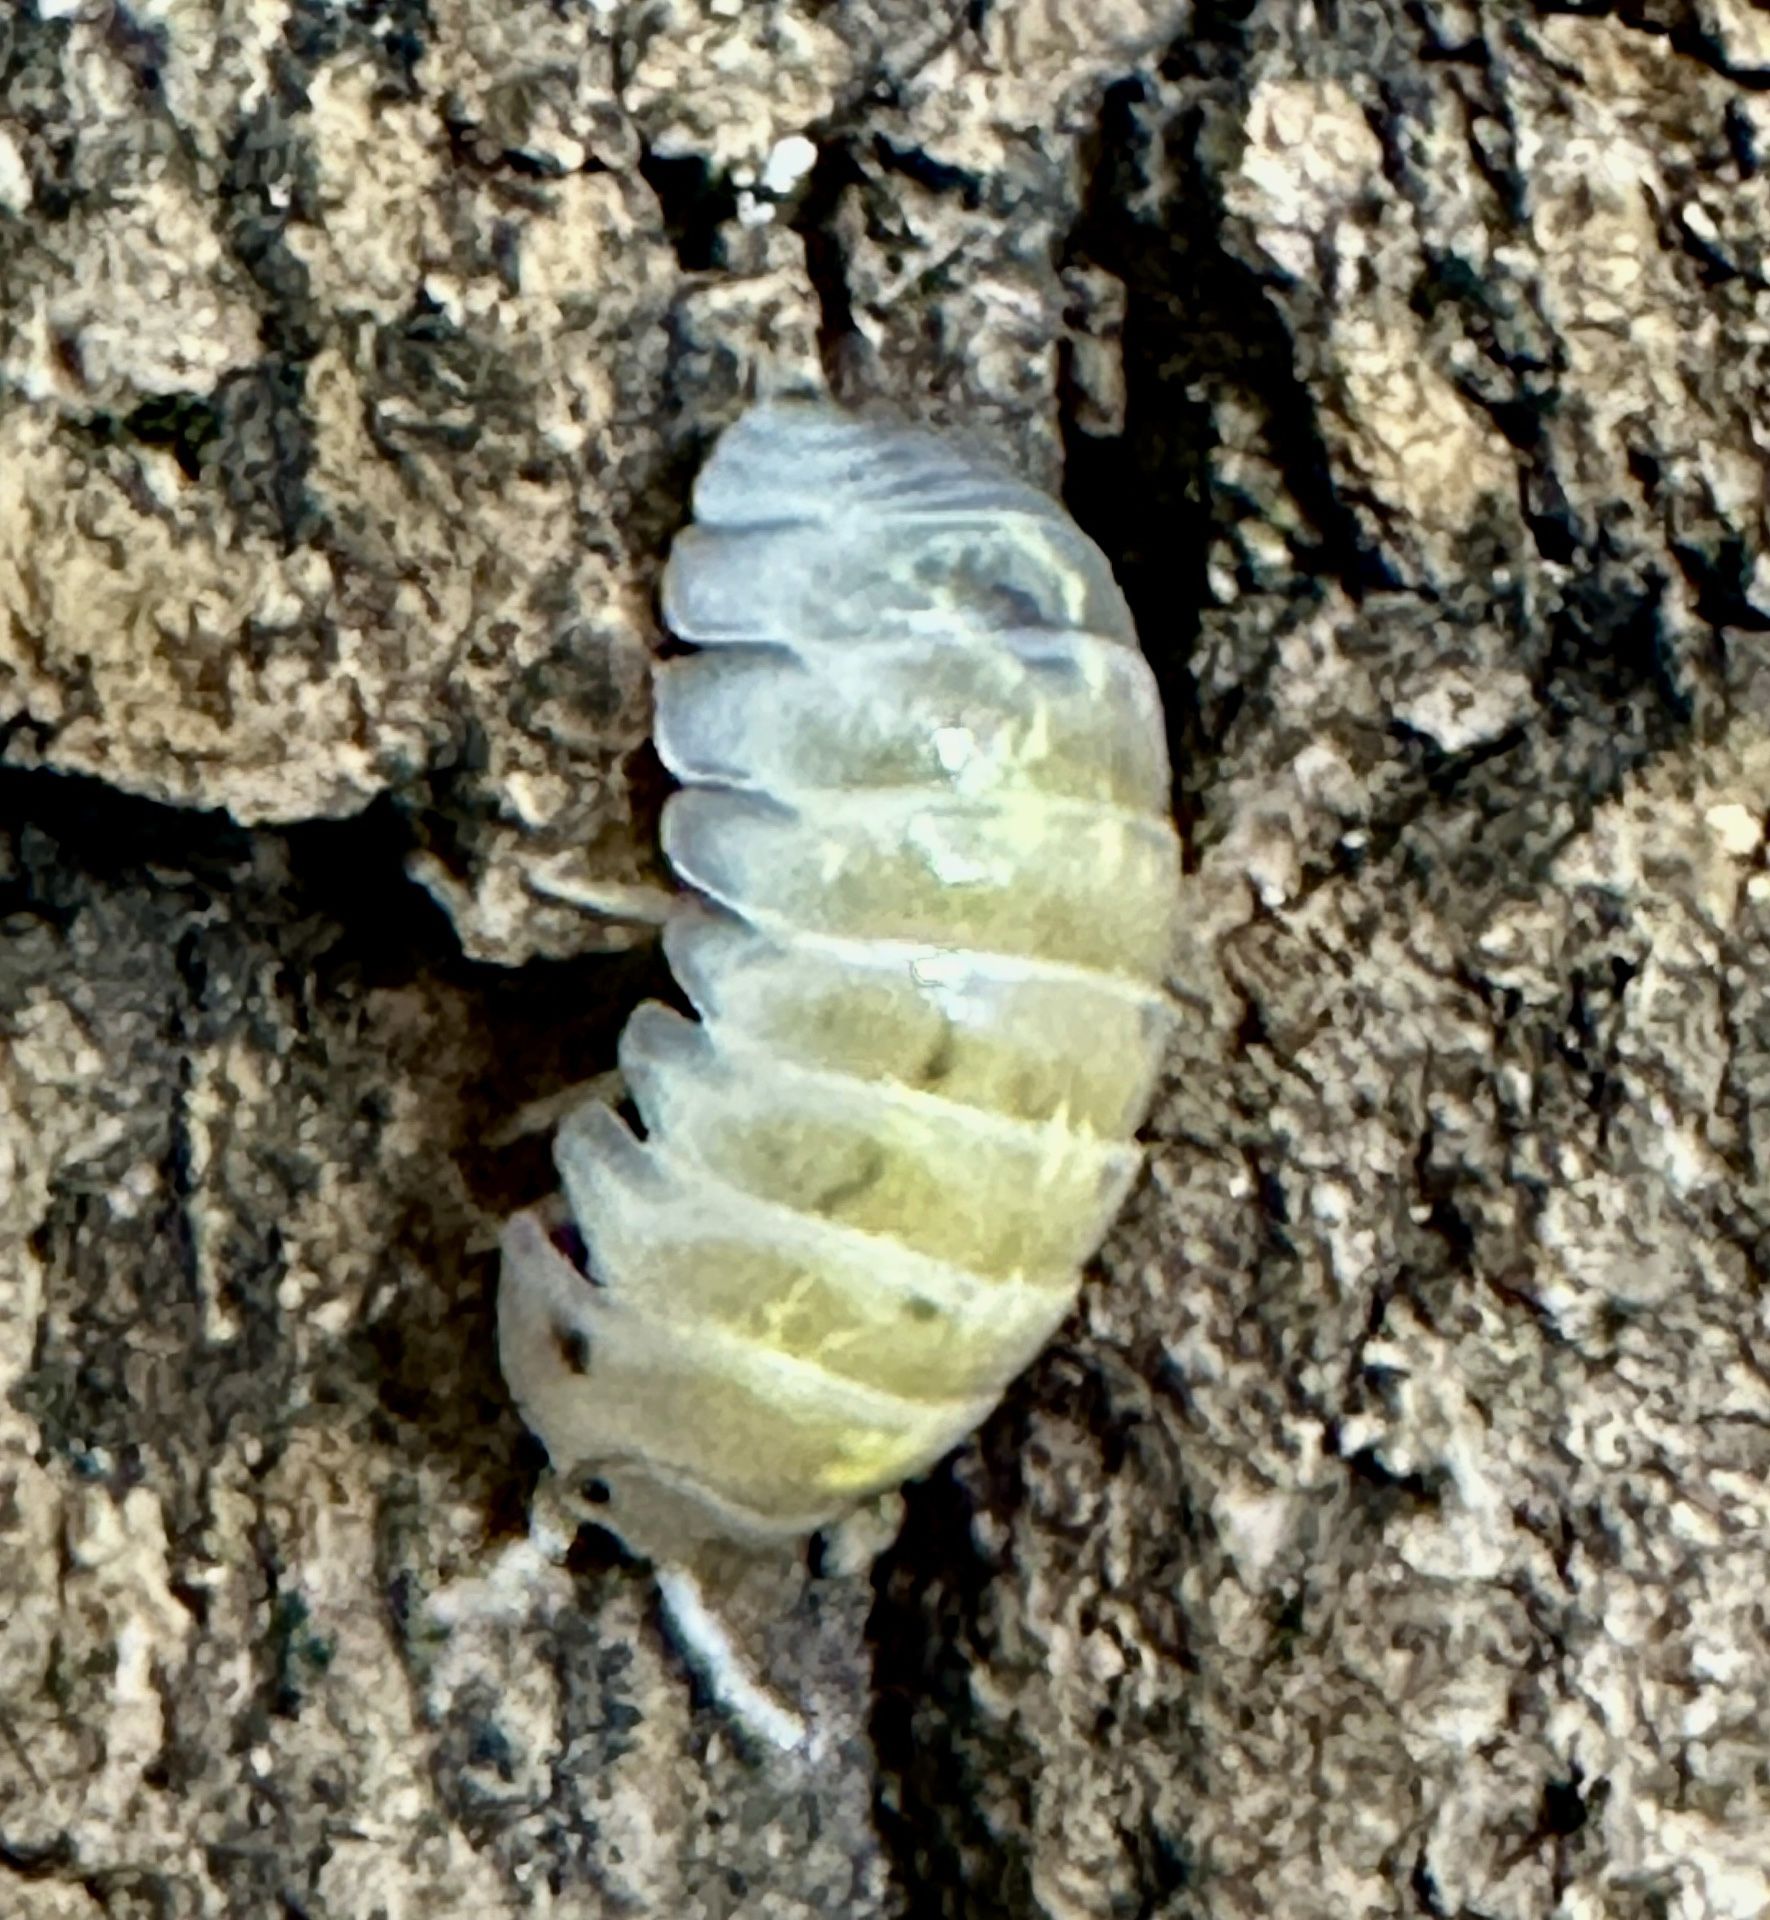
[568, 1240]
[573, 1346]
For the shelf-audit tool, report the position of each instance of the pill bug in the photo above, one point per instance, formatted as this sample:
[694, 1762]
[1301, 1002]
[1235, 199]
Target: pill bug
[923, 819]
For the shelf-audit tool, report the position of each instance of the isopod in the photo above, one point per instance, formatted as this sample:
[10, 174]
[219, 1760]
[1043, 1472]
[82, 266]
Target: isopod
[925, 828]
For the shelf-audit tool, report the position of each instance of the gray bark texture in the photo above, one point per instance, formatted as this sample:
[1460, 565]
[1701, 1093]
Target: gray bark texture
[1389, 1532]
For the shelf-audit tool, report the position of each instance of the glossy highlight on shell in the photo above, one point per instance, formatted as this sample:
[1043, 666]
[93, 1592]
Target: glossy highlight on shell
[924, 824]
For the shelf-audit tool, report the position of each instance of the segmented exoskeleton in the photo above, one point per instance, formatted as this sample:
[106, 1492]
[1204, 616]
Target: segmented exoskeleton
[925, 819]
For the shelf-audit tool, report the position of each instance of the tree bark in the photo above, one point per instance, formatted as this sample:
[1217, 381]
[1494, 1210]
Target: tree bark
[1387, 1533]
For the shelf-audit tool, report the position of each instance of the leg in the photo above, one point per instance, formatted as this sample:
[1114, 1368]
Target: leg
[541, 1116]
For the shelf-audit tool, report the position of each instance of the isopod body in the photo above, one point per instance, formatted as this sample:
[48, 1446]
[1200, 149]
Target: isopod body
[924, 820]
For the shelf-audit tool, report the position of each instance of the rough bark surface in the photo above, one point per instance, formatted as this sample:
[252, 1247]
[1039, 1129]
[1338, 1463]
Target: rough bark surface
[1388, 1534]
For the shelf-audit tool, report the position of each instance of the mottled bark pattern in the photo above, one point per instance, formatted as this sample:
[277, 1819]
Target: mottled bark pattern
[1385, 1535]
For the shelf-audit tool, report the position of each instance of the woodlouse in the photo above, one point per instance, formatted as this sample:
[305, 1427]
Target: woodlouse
[924, 819]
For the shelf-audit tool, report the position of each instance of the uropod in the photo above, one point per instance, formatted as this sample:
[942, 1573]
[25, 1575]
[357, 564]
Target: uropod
[925, 831]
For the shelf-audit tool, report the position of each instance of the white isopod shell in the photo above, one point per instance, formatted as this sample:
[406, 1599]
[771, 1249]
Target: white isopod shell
[925, 813]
